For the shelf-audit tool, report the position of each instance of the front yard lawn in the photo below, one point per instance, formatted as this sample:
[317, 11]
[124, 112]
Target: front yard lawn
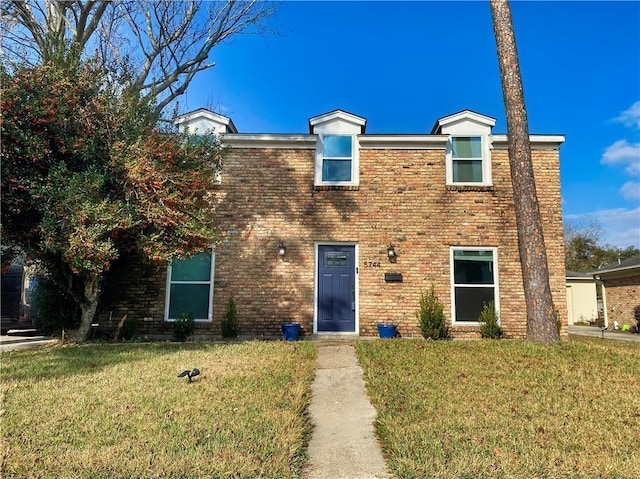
[119, 411]
[506, 409]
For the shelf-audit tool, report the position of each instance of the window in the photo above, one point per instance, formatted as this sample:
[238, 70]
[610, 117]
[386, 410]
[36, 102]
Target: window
[190, 287]
[336, 158]
[336, 259]
[469, 161]
[473, 282]
[216, 163]
[466, 159]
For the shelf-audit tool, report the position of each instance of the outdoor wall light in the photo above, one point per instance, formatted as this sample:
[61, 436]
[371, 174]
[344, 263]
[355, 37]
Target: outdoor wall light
[391, 253]
[282, 250]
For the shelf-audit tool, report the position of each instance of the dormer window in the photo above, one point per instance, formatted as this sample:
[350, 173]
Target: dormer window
[466, 159]
[337, 158]
[468, 156]
[202, 122]
[337, 148]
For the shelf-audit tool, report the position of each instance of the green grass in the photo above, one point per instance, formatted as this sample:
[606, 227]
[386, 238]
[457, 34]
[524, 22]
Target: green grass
[506, 409]
[119, 411]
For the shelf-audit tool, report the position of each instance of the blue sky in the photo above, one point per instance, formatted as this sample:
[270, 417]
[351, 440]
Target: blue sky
[403, 65]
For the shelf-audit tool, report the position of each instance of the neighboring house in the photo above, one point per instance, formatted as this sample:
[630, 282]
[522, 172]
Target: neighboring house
[582, 304]
[620, 291]
[340, 230]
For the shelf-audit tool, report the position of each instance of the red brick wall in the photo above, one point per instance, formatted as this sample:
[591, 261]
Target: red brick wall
[267, 197]
[623, 300]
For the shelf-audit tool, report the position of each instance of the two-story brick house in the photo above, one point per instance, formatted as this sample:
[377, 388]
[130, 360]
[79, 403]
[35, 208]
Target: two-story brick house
[340, 230]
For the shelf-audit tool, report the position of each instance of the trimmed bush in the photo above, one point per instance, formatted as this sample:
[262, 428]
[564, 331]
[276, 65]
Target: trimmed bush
[127, 329]
[433, 323]
[556, 315]
[183, 327]
[230, 322]
[490, 322]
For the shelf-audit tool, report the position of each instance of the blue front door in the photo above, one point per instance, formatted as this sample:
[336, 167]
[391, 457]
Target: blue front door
[336, 288]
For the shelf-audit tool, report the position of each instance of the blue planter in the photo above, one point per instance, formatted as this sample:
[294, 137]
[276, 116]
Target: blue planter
[387, 331]
[290, 331]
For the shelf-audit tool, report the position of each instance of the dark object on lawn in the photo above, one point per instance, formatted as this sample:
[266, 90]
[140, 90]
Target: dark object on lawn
[189, 374]
[603, 329]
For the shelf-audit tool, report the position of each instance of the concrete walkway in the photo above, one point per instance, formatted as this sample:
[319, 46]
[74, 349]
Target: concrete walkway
[343, 443]
[28, 340]
[596, 332]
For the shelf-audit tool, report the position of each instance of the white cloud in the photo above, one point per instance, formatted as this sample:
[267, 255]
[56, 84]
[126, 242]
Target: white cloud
[625, 154]
[623, 238]
[630, 190]
[620, 226]
[631, 116]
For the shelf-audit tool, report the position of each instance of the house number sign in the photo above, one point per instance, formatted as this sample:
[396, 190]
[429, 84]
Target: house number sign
[372, 264]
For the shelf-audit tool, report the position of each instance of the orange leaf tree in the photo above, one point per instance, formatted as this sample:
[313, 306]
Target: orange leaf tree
[87, 173]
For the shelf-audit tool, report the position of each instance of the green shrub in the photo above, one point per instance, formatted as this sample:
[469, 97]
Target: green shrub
[184, 326]
[127, 331]
[55, 309]
[490, 322]
[556, 315]
[230, 322]
[625, 327]
[433, 323]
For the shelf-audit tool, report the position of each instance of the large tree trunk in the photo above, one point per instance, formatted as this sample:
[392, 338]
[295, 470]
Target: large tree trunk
[88, 303]
[541, 321]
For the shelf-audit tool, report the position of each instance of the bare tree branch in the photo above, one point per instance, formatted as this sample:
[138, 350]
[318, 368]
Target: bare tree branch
[85, 32]
[158, 45]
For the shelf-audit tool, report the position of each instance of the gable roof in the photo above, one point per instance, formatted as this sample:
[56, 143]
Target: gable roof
[462, 115]
[620, 265]
[338, 115]
[208, 114]
[578, 275]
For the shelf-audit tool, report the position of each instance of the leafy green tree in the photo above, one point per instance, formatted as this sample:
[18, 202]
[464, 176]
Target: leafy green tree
[88, 175]
[584, 250]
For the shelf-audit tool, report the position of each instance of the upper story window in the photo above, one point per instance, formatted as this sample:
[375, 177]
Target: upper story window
[337, 148]
[468, 155]
[467, 160]
[337, 158]
[203, 121]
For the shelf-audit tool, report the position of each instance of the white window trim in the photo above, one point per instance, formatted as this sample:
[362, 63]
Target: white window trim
[355, 162]
[496, 291]
[486, 161]
[210, 282]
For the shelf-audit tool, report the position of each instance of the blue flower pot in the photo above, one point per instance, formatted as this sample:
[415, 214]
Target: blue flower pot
[290, 331]
[387, 331]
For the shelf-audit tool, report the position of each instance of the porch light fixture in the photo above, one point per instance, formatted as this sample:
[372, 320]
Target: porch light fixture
[391, 253]
[282, 250]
